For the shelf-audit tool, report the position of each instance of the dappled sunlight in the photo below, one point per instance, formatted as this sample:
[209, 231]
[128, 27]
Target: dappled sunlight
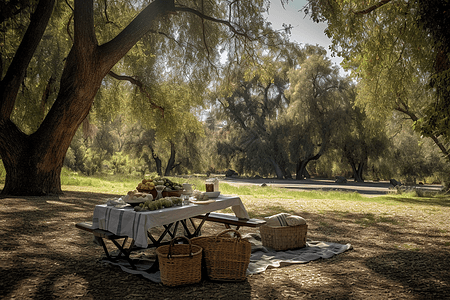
[60, 203]
[436, 201]
[403, 272]
[362, 223]
[70, 285]
[28, 287]
[49, 256]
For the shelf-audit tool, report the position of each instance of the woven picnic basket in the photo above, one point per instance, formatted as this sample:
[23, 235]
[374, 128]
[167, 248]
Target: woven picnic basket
[180, 263]
[225, 257]
[284, 237]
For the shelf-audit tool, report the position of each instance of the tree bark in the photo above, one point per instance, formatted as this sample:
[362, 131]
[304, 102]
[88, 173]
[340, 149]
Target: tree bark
[16, 148]
[171, 162]
[277, 169]
[301, 172]
[358, 171]
[157, 163]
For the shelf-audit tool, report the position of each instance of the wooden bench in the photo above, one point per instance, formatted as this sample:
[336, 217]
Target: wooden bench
[228, 219]
[101, 234]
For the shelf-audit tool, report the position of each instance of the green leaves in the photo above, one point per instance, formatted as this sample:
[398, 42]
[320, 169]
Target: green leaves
[392, 49]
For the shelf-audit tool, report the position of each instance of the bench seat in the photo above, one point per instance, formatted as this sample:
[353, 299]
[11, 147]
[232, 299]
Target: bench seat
[229, 219]
[87, 226]
[100, 234]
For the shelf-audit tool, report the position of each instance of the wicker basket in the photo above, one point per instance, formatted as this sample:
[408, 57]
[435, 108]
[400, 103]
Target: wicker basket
[226, 258]
[285, 237]
[203, 242]
[180, 263]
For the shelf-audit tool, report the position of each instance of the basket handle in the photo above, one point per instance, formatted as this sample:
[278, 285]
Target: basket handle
[237, 234]
[172, 242]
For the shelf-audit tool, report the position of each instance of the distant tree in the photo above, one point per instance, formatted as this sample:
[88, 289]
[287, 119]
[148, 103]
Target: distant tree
[361, 138]
[318, 100]
[252, 99]
[399, 53]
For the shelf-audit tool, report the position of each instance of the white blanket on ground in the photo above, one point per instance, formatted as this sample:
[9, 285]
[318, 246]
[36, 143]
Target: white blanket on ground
[261, 258]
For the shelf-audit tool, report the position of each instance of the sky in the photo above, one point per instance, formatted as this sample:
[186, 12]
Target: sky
[304, 30]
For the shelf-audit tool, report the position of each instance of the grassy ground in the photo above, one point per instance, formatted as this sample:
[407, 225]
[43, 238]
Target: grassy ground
[332, 207]
[401, 247]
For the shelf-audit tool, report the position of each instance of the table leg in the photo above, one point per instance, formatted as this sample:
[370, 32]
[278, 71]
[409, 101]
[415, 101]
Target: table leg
[197, 230]
[174, 231]
[122, 251]
[157, 243]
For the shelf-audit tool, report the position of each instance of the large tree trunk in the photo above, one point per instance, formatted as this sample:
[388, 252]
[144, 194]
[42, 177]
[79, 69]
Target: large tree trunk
[26, 166]
[171, 162]
[277, 169]
[301, 172]
[158, 162]
[33, 163]
[358, 171]
[21, 159]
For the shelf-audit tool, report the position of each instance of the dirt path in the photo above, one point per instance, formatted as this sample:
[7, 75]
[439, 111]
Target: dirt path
[399, 253]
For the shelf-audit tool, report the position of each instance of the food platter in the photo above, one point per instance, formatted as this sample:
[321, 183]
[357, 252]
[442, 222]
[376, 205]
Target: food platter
[135, 198]
[164, 193]
[212, 194]
[135, 202]
[202, 201]
[171, 188]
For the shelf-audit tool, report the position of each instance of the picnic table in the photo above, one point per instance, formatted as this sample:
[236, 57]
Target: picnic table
[113, 223]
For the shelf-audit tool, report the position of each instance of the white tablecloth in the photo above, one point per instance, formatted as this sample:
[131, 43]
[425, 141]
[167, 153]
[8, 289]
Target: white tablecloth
[125, 221]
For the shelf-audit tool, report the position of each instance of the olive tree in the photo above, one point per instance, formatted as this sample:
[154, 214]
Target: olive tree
[33, 156]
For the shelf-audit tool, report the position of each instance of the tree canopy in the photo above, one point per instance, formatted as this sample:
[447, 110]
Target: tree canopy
[58, 54]
[146, 68]
[398, 52]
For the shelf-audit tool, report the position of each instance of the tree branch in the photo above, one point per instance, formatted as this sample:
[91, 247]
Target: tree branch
[205, 17]
[171, 38]
[69, 21]
[84, 34]
[15, 75]
[106, 12]
[141, 87]
[68, 27]
[115, 49]
[372, 8]
[435, 138]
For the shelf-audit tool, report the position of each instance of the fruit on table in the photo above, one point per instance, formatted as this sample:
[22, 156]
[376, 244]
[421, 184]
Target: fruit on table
[149, 184]
[158, 204]
[176, 200]
[146, 184]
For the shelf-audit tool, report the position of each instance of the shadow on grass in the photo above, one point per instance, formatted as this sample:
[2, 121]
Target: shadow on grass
[43, 256]
[39, 269]
[421, 272]
[435, 201]
[343, 227]
[397, 251]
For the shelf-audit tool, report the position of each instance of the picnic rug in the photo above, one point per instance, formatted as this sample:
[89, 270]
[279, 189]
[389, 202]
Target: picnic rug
[261, 258]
